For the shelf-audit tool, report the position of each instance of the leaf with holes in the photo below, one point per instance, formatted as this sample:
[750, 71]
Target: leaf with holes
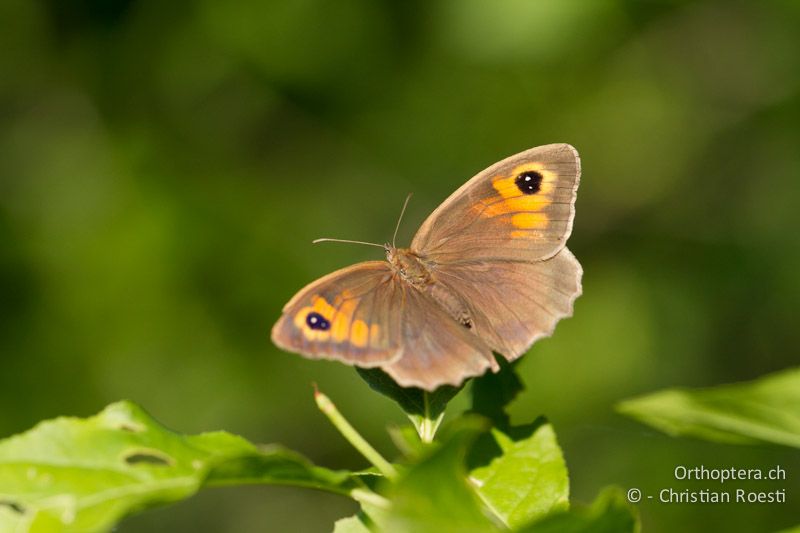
[71, 474]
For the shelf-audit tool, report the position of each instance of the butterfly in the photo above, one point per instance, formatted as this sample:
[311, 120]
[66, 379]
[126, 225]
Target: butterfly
[488, 271]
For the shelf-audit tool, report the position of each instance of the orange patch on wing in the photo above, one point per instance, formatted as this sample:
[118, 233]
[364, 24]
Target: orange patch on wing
[300, 317]
[340, 328]
[515, 205]
[511, 200]
[529, 220]
[321, 306]
[359, 334]
[343, 327]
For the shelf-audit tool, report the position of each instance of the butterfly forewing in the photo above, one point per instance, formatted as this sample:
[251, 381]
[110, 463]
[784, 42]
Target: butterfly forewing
[367, 316]
[519, 209]
[350, 315]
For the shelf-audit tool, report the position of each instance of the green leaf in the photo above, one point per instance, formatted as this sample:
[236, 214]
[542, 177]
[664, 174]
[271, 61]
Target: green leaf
[407, 440]
[11, 517]
[434, 495]
[351, 524]
[365, 521]
[610, 513]
[411, 399]
[522, 475]
[763, 411]
[71, 474]
[491, 393]
[424, 409]
[519, 471]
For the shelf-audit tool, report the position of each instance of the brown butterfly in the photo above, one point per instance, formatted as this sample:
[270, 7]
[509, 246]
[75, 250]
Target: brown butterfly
[487, 271]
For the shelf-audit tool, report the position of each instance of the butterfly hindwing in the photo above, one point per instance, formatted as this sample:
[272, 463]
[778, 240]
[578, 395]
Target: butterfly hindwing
[437, 350]
[512, 304]
[519, 209]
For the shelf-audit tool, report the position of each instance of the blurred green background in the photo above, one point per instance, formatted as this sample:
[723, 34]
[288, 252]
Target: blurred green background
[164, 167]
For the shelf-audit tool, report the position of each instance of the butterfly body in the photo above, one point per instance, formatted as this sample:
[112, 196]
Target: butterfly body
[487, 272]
[419, 272]
[409, 266]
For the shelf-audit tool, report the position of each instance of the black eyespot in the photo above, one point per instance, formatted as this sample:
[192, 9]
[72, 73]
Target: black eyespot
[317, 321]
[529, 182]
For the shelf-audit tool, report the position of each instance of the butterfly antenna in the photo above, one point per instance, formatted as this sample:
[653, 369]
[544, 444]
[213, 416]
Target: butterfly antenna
[325, 239]
[399, 219]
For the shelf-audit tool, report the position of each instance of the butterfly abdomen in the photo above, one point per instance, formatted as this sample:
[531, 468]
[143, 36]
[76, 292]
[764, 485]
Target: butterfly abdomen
[451, 303]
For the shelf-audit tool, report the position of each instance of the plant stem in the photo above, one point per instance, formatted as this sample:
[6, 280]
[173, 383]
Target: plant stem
[369, 497]
[427, 426]
[353, 437]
